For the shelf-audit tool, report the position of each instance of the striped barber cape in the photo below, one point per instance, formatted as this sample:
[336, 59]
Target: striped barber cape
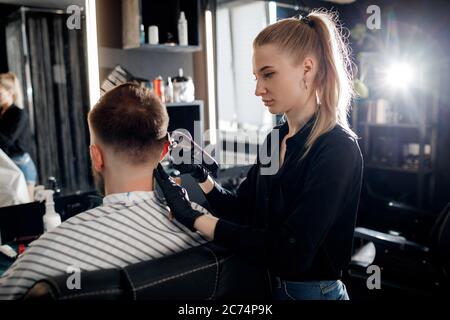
[128, 228]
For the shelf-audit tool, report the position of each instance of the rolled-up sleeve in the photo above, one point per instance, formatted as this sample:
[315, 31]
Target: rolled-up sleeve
[235, 207]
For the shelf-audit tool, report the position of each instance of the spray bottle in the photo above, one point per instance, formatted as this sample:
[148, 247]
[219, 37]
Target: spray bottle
[51, 218]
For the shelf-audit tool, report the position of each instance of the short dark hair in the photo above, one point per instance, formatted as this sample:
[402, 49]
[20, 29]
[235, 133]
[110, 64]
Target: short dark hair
[132, 120]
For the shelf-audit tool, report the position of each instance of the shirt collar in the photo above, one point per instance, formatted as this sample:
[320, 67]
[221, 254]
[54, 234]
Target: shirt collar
[301, 135]
[128, 198]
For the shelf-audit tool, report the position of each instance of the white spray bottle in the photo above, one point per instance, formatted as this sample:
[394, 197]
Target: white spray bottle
[51, 218]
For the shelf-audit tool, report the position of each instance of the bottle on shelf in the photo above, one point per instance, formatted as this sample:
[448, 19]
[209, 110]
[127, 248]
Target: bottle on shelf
[169, 91]
[183, 88]
[142, 34]
[153, 35]
[158, 88]
[182, 30]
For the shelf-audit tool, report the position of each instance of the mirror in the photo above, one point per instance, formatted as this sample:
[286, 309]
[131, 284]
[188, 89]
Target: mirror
[237, 24]
[46, 48]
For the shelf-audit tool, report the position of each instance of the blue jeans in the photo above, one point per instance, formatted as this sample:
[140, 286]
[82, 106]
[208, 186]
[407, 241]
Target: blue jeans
[26, 165]
[311, 290]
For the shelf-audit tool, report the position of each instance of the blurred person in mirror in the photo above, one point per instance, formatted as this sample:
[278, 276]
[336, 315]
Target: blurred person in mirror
[15, 134]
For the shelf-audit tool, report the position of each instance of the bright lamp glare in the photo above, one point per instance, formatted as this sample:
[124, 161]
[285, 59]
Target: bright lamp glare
[399, 75]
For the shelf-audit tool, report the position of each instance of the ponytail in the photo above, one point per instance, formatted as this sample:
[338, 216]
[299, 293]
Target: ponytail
[320, 35]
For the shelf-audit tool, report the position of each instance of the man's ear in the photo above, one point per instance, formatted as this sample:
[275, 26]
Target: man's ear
[164, 150]
[97, 157]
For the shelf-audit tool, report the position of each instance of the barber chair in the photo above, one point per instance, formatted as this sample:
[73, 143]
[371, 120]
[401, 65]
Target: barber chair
[408, 268]
[206, 272]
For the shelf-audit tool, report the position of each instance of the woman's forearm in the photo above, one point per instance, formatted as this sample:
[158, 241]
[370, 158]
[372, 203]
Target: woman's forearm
[223, 203]
[206, 225]
[208, 185]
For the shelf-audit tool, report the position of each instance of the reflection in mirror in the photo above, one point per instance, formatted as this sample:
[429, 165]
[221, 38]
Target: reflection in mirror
[44, 133]
[237, 24]
[243, 121]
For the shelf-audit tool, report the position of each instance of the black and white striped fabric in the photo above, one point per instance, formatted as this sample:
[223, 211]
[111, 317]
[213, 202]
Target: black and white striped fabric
[128, 228]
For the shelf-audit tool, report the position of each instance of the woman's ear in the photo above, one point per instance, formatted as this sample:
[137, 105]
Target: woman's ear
[97, 157]
[308, 66]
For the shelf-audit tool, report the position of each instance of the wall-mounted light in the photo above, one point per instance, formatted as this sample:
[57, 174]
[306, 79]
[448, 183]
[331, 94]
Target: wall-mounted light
[92, 52]
[399, 75]
[272, 12]
[210, 76]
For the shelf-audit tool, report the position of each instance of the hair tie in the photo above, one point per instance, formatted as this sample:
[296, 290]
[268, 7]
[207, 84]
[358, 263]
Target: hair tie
[307, 20]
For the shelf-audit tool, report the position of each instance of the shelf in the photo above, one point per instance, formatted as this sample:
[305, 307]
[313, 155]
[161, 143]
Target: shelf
[166, 48]
[391, 125]
[395, 169]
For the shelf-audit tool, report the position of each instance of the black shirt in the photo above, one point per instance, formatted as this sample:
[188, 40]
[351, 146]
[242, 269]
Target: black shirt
[14, 131]
[299, 222]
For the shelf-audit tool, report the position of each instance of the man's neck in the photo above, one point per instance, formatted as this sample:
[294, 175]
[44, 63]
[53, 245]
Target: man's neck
[129, 181]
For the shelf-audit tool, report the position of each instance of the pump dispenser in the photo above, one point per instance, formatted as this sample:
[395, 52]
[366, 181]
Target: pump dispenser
[51, 218]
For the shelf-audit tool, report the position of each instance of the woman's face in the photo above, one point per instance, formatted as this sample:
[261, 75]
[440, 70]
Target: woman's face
[6, 97]
[279, 81]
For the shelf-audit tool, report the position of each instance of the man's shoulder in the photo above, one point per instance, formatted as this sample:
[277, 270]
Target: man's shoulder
[87, 215]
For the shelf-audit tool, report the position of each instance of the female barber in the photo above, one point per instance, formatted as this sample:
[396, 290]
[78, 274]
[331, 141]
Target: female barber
[15, 134]
[298, 222]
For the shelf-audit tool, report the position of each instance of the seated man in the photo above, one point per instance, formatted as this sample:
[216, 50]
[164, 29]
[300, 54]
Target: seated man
[128, 128]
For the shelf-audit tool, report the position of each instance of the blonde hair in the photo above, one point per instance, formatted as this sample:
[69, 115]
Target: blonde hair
[319, 35]
[11, 83]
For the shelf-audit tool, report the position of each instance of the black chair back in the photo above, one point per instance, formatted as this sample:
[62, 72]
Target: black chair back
[440, 240]
[206, 272]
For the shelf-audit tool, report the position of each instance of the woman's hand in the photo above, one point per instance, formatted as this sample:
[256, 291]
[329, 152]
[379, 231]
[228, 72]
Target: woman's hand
[199, 173]
[195, 170]
[177, 199]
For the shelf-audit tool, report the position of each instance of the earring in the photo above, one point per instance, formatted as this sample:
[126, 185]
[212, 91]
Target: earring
[306, 85]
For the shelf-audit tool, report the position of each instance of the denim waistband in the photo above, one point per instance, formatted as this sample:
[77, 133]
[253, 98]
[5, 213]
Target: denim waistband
[22, 159]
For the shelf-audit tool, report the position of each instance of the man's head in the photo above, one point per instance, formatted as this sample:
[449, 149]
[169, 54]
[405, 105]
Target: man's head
[128, 128]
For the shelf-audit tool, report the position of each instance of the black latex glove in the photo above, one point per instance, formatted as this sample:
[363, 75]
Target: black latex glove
[177, 199]
[197, 171]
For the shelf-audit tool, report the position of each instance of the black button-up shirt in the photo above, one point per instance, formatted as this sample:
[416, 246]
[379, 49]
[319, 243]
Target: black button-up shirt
[300, 221]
